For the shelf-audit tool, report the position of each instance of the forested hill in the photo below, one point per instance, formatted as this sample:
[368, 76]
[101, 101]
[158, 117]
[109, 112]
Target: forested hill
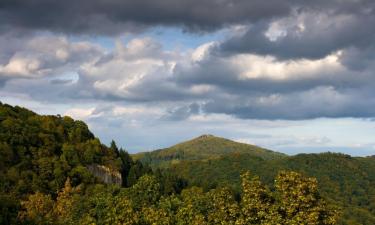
[204, 147]
[346, 181]
[40, 155]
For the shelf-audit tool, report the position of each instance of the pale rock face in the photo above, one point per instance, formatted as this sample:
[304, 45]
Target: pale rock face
[105, 174]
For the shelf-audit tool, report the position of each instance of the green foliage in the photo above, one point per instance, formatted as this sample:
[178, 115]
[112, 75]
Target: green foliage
[126, 164]
[146, 190]
[223, 207]
[257, 203]
[136, 171]
[144, 204]
[300, 200]
[39, 153]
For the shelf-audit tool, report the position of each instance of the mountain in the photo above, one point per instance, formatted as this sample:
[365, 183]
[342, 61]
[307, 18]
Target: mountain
[205, 147]
[209, 161]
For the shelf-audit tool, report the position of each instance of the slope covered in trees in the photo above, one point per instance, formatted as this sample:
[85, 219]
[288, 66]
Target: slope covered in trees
[39, 153]
[348, 182]
[203, 148]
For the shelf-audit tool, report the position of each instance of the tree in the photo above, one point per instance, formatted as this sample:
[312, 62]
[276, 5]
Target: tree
[194, 207]
[66, 200]
[257, 203]
[300, 201]
[126, 164]
[136, 171]
[223, 207]
[145, 192]
[114, 148]
[121, 211]
[38, 208]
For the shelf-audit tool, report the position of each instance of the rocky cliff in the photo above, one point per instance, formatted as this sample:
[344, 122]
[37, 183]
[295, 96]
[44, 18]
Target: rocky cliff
[105, 174]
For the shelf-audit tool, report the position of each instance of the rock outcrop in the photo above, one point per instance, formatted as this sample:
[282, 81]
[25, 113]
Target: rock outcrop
[105, 174]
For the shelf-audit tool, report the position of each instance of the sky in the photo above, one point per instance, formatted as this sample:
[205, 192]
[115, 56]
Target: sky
[295, 76]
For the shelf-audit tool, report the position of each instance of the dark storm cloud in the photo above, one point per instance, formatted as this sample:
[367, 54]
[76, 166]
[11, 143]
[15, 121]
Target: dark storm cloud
[108, 17]
[113, 16]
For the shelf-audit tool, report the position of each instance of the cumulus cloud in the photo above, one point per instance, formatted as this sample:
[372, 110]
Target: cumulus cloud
[137, 71]
[39, 56]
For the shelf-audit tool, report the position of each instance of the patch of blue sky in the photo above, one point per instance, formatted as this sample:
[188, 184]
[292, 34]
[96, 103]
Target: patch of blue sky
[104, 41]
[172, 38]
[68, 77]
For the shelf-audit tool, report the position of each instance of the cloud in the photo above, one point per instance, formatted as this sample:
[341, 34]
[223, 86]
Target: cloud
[183, 112]
[79, 113]
[137, 71]
[43, 55]
[359, 59]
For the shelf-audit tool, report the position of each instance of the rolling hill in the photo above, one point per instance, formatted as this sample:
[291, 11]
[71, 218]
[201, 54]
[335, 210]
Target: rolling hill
[205, 147]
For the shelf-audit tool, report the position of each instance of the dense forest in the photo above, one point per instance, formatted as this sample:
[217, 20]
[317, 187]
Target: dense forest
[53, 170]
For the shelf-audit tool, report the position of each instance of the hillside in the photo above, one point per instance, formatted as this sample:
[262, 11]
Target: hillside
[205, 147]
[39, 154]
[209, 162]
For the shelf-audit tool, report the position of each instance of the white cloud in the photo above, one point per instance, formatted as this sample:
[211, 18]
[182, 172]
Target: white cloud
[22, 66]
[80, 113]
[44, 55]
[202, 51]
[137, 111]
[255, 67]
